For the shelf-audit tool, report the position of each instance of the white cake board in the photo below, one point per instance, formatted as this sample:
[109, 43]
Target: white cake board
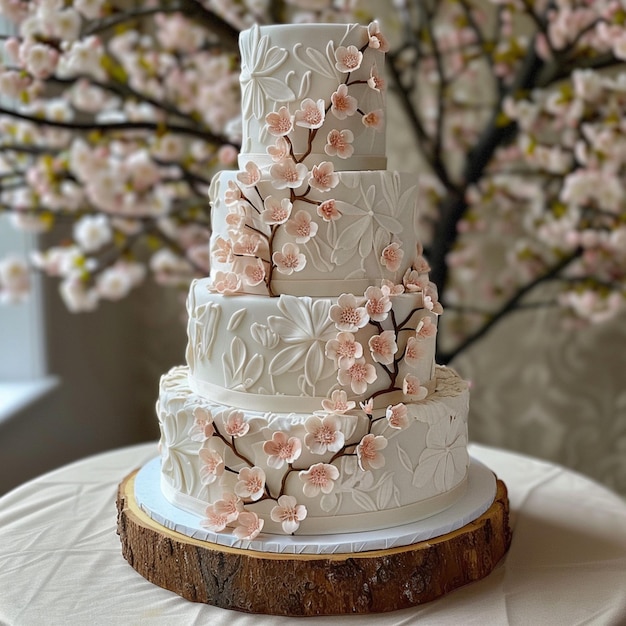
[480, 494]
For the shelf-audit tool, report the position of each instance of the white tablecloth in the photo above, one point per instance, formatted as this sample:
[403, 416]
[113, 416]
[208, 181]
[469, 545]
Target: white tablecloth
[61, 563]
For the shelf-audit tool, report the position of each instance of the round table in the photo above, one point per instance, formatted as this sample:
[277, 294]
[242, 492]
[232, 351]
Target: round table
[61, 561]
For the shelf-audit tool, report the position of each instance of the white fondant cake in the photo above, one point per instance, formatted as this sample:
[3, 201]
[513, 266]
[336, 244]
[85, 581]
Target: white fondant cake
[310, 403]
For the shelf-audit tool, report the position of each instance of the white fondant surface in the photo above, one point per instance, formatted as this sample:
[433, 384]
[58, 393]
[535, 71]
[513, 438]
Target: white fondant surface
[477, 499]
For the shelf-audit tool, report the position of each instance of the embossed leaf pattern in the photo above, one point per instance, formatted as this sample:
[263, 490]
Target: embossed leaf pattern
[241, 373]
[177, 448]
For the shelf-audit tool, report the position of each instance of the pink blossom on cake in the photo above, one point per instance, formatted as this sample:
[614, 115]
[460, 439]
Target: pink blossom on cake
[344, 350]
[391, 256]
[319, 477]
[327, 210]
[222, 250]
[230, 505]
[323, 176]
[249, 526]
[247, 245]
[212, 466]
[254, 272]
[426, 328]
[414, 351]
[323, 434]
[202, 427]
[279, 123]
[376, 39]
[251, 483]
[412, 388]
[339, 143]
[288, 173]
[391, 289]
[367, 407]
[214, 520]
[368, 452]
[250, 176]
[338, 402]
[311, 114]
[348, 59]
[342, 103]
[397, 416]
[374, 119]
[358, 376]
[383, 347]
[377, 304]
[289, 259]
[289, 513]
[235, 424]
[301, 227]
[235, 221]
[226, 282]
[348, 314]
[375, 81]
[282, 449]
[232, 194]
[276, 211]
[279, 151]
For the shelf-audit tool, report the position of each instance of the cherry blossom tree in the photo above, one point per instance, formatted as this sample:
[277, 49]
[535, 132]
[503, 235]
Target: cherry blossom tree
[115, 116]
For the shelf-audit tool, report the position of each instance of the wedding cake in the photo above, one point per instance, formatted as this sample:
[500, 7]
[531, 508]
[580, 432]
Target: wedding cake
[310, 403]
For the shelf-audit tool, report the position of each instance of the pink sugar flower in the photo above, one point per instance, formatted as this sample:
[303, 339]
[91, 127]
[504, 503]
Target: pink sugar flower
[377, 304]
[413, 281]
[249, 526]
[375, 81]
[279, 123]
[319, 477]
[254, 273]
[247, 244]
[223, 250]
[338, 402]
[301, 227]
[343, 104]
[280, 150]
[374, 119]
[323, 434]
[376, 39]
[251, 483]
[235, 221]
[348, 59]
[391, 256]
[390, 289]
[212, 466]
[358, 376]
[344, 350]
[235, 424]
[327, 210]
[230, 505]
[250, 176]
[226, 283]
[397, 416]
[277, 211]
[202, 427]
[412, 388]
[311, 114]
[289, 513]
[414, 351]
[288, 173]
[339, 143]
[232, 195]
[383, 347]
[282, 449]
[426, 328]
[289, 259]
[214, 520]
[367, 407]
[348, 314]
[323, 176]
[368, 452]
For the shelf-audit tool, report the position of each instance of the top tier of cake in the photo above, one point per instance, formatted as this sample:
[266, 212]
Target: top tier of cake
[310, 69]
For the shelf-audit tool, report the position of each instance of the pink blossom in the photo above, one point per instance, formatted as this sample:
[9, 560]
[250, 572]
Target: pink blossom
[276, 211]
[383, 347]
[212, 466]
[301, 227]
[289, 259]
[214, 520]
[327, 210]
[282, 449]
[413, 281]
[227, 155]
[288, 173]
[368, 452]
[412, 387]
[230, 505]
[250, 176]
[323, 176]
[280, 150]
[390, 289]
[358, 376]
[235, 424]
[348, 59]
[391, 256]
[226, 282]
[344, 350]
[311, 114]
[367, 407]
[319, 477]
[279, 123]
[254, 273]
[202, 427]
[338, 402]
[249, 526]
[343, 104]
[247, 245]
[223, 250]
[376, 39]
[377, 303]
[413, 352]
[251, 483]
[323, 434]
[375, 81]
[39, 59]
[14, 280]
[348, 314]
[374, 119]
[426, 328]
[397, 416]
[235, 221]
[289, 513]
[339, 143]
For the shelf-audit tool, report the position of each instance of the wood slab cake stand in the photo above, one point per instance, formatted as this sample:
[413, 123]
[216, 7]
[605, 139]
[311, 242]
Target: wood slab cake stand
[305, 585]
